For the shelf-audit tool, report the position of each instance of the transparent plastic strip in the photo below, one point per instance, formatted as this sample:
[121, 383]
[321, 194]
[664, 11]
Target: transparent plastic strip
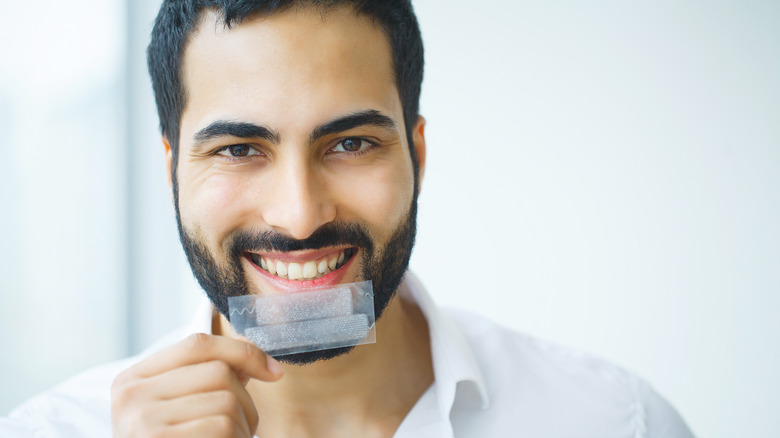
[306, 320]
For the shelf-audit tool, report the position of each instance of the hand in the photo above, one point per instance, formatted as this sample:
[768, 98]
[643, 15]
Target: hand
[194, 388]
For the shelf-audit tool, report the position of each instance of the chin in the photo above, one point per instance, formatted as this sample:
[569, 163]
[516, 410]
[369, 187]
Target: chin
[311, 357]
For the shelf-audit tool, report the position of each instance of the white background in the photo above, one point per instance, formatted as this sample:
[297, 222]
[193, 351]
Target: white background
[601, 174]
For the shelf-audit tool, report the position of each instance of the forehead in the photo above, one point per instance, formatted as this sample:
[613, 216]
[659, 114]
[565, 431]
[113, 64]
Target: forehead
[289, 70]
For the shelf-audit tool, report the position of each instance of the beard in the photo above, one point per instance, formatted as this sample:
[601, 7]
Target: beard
[385, 267]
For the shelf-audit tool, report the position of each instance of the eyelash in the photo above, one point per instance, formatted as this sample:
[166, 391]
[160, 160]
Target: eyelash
[218, 152]
[371, 146]
[239, 159]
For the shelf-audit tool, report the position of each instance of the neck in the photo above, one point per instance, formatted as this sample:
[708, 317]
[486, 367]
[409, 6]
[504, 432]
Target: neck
[366, 392]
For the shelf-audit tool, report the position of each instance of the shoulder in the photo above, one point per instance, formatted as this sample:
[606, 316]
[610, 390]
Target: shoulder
[78, 407]
[550, 385]
[509, 359]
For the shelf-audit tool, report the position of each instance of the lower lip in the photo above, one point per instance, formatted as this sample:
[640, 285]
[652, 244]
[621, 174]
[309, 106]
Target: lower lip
[283, 284]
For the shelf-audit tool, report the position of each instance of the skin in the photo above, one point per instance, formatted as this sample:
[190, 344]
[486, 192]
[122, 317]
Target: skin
[289, 72]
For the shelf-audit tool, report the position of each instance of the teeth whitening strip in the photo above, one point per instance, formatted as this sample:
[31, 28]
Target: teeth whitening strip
[307, 320]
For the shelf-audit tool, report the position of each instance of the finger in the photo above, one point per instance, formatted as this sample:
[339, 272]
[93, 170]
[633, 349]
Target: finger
[201, 378]
[172, 397]
[243, 378]
[201, 405]
[220, 426]
[240, 355]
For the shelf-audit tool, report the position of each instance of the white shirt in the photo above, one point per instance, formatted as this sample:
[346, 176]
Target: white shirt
[488, 382]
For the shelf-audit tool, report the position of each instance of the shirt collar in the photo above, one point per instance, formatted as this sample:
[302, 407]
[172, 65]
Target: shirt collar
[204, 316]
[458, 376]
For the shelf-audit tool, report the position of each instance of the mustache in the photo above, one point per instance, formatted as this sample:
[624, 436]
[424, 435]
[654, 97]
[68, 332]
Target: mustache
[330, 234]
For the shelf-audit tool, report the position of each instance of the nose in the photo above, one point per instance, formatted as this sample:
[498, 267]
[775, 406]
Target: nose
[297, 198]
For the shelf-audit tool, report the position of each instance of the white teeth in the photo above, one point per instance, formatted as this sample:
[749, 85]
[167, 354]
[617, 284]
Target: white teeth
[294, 271]
[281, 269]
[322, 266]
[271, 266]
[309, 270]
[300, 271]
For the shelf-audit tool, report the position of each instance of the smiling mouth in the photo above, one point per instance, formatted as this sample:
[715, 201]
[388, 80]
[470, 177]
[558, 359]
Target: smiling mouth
[304, 270]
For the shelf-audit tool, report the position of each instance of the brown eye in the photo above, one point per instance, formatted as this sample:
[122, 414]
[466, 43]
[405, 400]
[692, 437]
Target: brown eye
[238, 150]
[352, 144]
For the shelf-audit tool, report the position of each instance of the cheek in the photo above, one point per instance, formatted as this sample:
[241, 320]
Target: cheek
[379, 196]
[211, 204]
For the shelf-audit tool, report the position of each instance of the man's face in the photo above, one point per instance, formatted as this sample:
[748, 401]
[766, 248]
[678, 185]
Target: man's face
[294, 168]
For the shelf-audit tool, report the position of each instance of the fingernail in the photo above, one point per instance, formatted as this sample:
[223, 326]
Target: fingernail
[275, 367]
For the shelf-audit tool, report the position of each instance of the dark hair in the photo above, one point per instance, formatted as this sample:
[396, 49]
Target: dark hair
[177, 20]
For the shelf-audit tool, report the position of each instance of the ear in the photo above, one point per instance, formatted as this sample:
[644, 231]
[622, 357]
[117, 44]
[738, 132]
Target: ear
[168, 164]
[418, 135]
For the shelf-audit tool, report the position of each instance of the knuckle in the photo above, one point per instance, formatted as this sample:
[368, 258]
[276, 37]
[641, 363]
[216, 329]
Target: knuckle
[197, 340]
[120, 380]
[252, 353]
[225, 425]
[117, 393]
[122, 394]
[124, 382]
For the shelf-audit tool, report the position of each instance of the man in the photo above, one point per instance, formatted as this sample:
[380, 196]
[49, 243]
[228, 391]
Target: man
[293, 140]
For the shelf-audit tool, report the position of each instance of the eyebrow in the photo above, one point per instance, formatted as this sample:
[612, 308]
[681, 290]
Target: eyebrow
[228, 128]
[351, 121]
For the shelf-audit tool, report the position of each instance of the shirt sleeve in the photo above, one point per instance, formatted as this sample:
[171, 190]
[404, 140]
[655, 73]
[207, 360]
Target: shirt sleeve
[661, 419]
[17, 428]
